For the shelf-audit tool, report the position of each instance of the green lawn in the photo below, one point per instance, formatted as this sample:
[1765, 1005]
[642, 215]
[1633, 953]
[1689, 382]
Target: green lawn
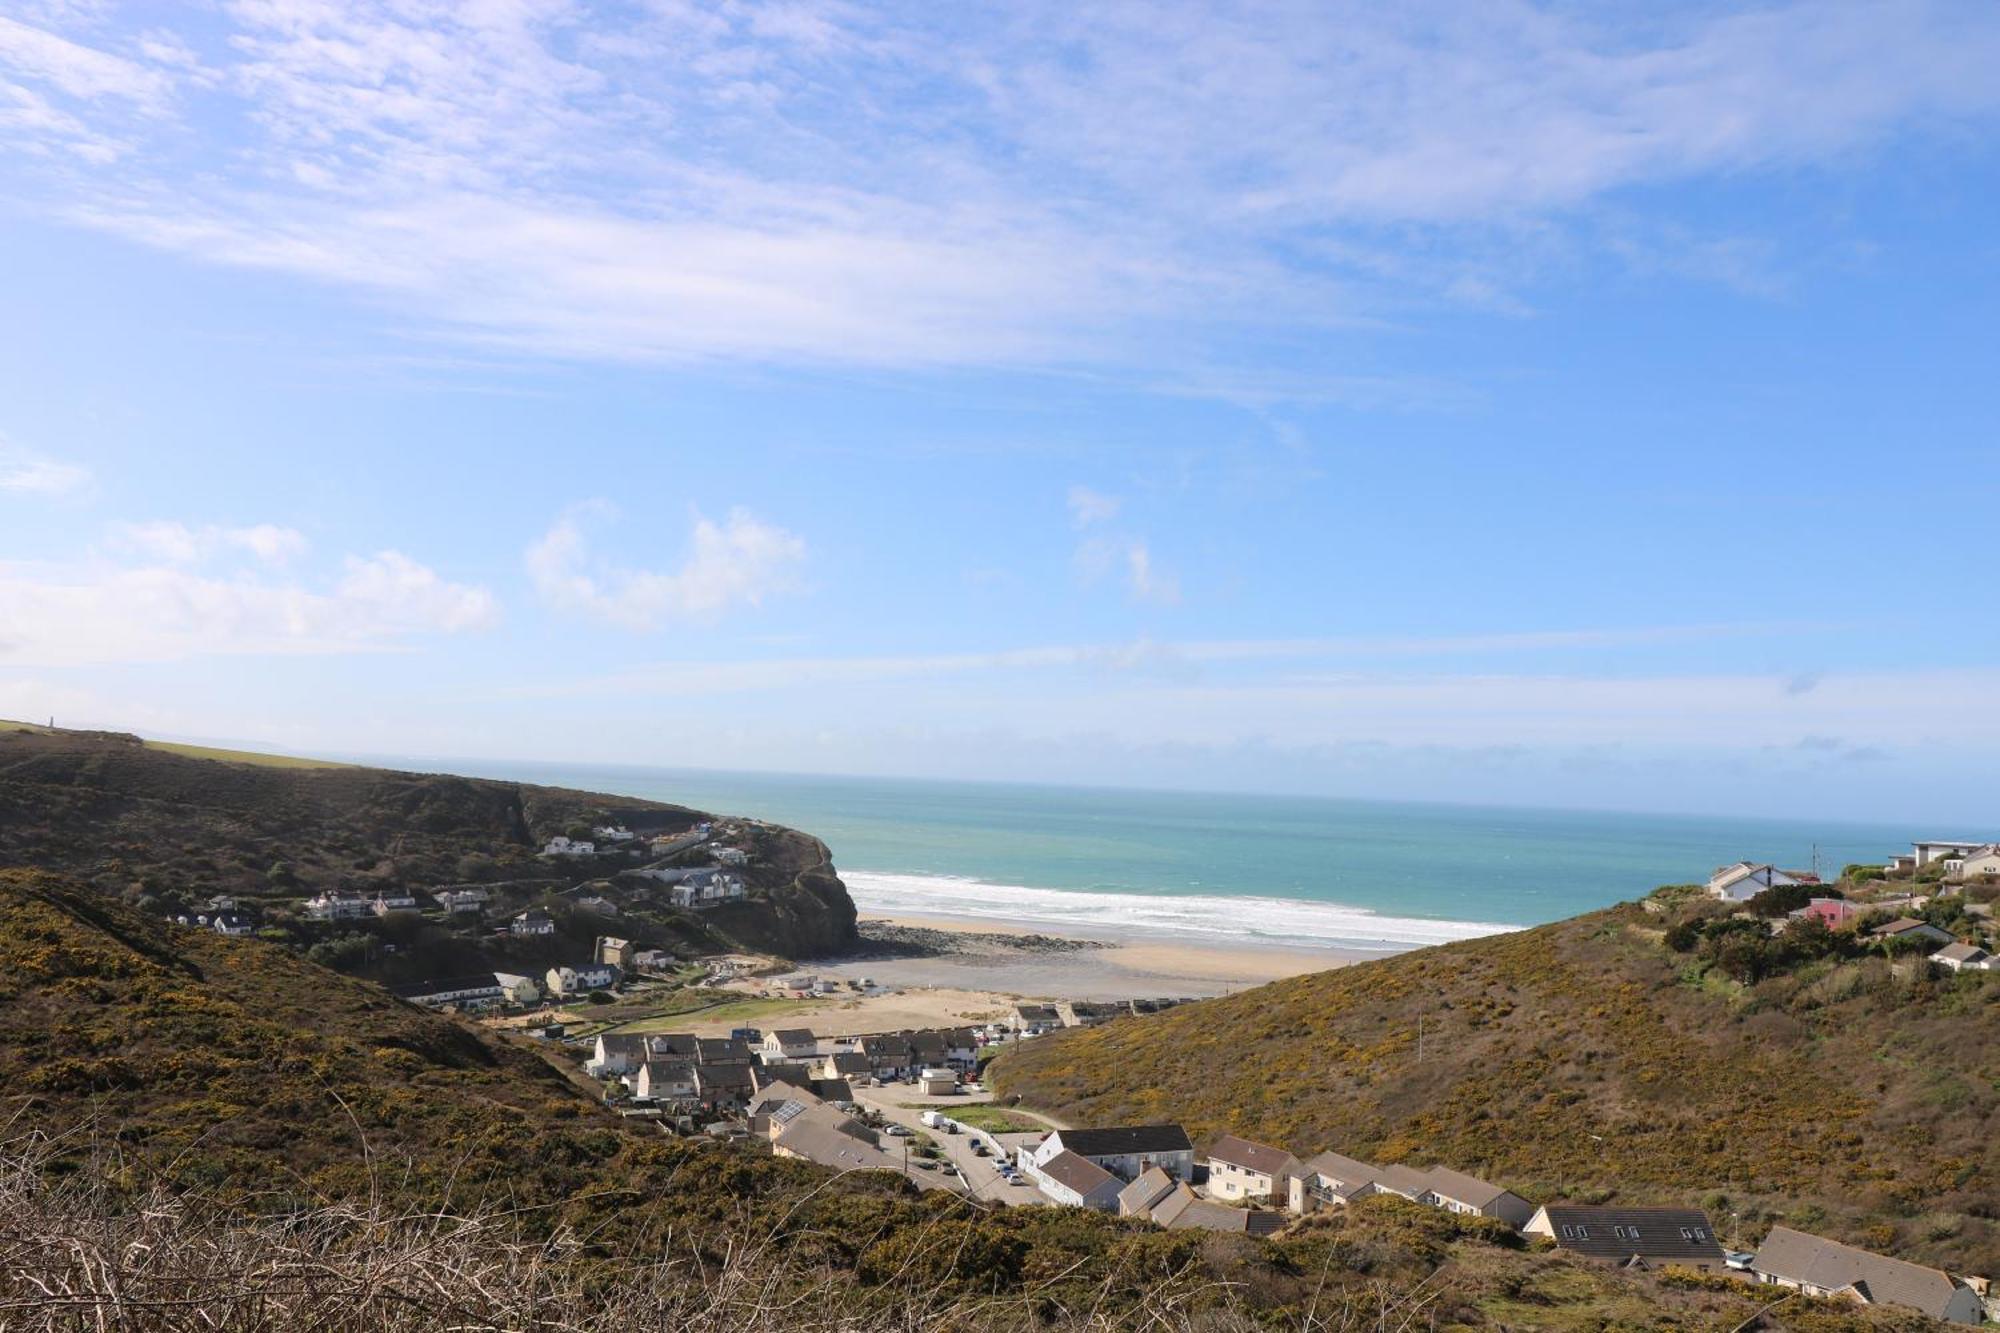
[732, 1011]
[992, 1119]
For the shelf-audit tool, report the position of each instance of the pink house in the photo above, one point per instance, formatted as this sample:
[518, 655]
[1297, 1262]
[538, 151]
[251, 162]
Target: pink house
[1831, 912]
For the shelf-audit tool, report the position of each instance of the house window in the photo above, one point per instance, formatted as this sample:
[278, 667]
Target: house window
[1583, 1233]
[1569, 1233]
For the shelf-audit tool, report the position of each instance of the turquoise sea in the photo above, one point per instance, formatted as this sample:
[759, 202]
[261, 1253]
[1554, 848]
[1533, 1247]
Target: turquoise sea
[1277, 869]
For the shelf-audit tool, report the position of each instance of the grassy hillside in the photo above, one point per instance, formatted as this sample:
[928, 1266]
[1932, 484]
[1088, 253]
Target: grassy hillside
[190, 1119]
[166, 827]
[1586, 1059]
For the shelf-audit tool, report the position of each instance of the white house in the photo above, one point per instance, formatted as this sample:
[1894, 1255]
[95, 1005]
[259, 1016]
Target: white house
[653, 960]
[233, 923]
[517, 989]
[562, 846]
[1963, 958]
[1821, 1267]
[613, 833]
[1980, 861]
[1067, 1178]
[1941, 849]
[1125, 1151]
[393, 900]
[664, 1080]
[1456, 1192]
[1744, 880]
[462, 902]
[481, 990]
[731, 856]
[338, 907]
[580, 979]
[785, 1045]
[534, 921]
[1329, 1181]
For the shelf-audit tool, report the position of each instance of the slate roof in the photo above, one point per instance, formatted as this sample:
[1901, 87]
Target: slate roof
[1404, 1180]
[1960, 953]
[849, 1062]
[794, 1037]
[1207, 1216]
[1657, 1235]
[1468, 1190]
[1140, 1197]
[476, 981]
[1255, 1156]
[1077, 1173]
[1126, 1140]
[721, 1050]
[1350, 1173]
[1831, 1266]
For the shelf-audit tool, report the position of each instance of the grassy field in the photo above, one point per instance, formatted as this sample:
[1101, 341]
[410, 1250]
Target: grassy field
[992, 1119]
[727, 1011]
[198, 751]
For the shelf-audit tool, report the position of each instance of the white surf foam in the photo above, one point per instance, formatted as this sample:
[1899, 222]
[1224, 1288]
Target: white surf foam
[1270, 921]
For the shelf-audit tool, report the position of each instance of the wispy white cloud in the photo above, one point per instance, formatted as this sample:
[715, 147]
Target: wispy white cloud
[740, 561]
[1025, 185]
[1147, 583]
[178, 543]
[1087, 506]
[25, 472]
[68, 615]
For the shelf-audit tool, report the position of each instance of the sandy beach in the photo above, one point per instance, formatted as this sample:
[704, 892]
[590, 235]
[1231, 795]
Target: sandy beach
[1006, 961]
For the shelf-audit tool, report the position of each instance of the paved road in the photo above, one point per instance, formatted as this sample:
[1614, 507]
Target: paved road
[980, 1177]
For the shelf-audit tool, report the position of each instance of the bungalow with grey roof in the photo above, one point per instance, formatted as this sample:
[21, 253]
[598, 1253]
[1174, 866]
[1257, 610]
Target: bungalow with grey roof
[1821, 1267]
[1139, 1198]
[1069, 1178]
[1960, 957]
[1125, 1151]
[1910, 929]
[1329, 1180]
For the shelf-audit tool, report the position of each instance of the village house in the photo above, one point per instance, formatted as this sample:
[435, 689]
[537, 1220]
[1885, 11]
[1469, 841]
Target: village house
[731, 856]
[597, 905]
[562, 846]
[1125, 1151]
[613, 833]
[1980, 862]
[392, 900]
[479, 990]
[706, 888]
[1909, 929]
[664, 1080]
[937, 1081]
[1631, 1237]
[1833, 913]
[623, 1052]
[1182, 1209]
[850, 1065]
[653, 960]
[1240, 1169]
[723, 1088]
[889, 1057]
[580, 979]
[1941, 849]
[723, 1051]
[338, 907]
[1741, 882]
[1820, 1267]
[1069, 1178]
[613, 951]
[517, 989]
[1085, 1014]
[1032, 1020]
[783, 1044]
[1139, 1198]
[233, 923]
[1329, 1180]
[462, 902]
[1963, 958]
[1456, 1192]
[532, 922]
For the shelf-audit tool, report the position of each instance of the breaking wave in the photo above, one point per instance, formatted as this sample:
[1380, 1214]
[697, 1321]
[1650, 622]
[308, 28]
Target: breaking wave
[1245, 920]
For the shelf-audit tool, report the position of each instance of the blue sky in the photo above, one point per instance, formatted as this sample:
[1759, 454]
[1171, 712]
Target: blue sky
[1540, 404]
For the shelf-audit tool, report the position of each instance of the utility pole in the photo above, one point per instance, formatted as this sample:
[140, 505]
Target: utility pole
[1420, 1038]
